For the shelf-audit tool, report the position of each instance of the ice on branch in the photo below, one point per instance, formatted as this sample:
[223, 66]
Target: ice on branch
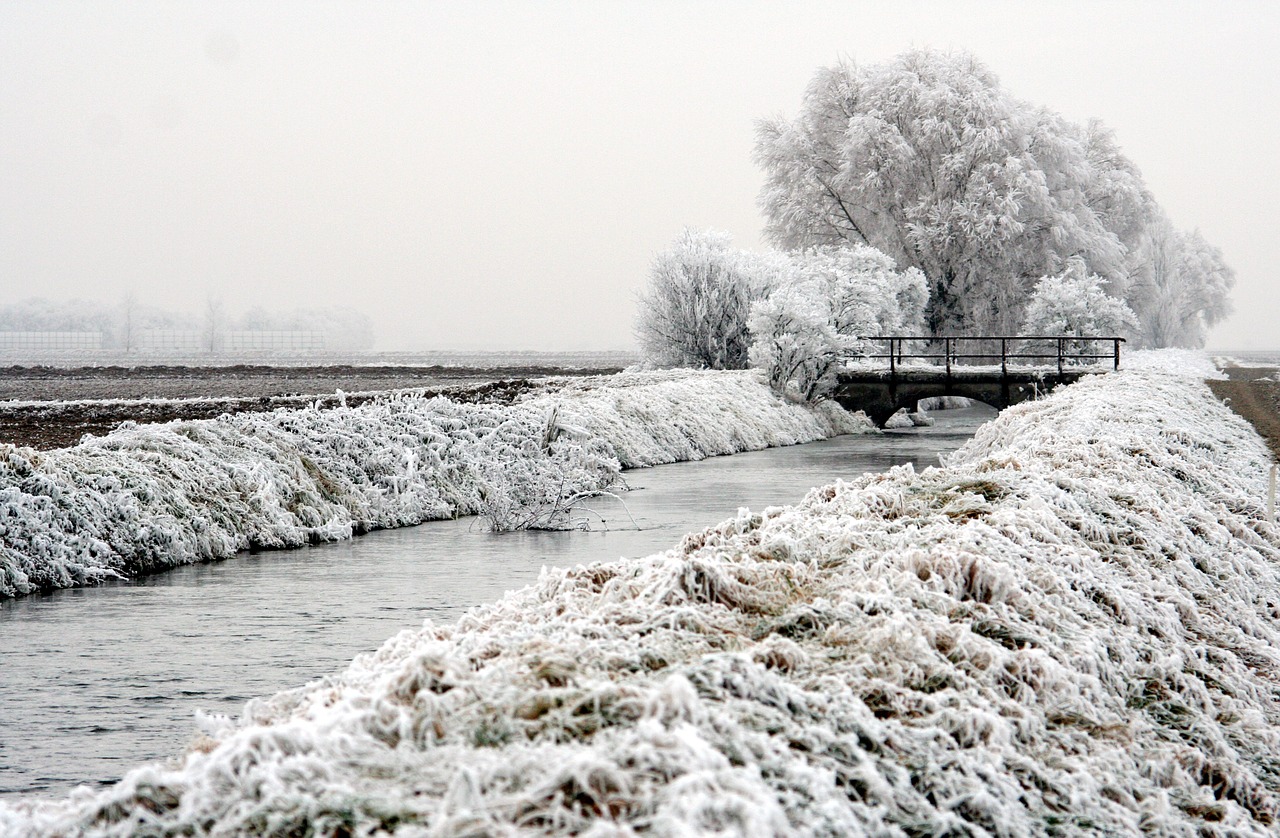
[693, 313]
[1074, 303]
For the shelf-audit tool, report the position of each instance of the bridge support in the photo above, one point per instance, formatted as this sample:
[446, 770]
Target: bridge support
[882, 394]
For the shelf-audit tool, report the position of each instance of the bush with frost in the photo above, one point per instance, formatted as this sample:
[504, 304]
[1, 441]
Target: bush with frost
[693, 312]
[833, 300]
[1073, 303]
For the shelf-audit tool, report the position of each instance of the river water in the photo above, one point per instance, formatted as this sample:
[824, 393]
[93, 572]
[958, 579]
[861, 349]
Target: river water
[95, 681]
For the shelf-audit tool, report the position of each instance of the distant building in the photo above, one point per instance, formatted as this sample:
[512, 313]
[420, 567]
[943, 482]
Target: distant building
[50, 341]
[272, 341]
[170, 340]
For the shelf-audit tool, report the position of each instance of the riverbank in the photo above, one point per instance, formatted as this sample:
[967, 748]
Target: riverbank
[1069, 628]
[148, 497]
[85, 713]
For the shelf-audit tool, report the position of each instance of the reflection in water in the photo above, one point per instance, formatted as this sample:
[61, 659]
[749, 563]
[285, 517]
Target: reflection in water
[95, 681]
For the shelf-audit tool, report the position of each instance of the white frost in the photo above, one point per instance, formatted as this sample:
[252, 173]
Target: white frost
[147, 497]
[1070, 628]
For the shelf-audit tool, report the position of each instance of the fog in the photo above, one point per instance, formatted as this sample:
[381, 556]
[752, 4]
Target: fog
[499, 175]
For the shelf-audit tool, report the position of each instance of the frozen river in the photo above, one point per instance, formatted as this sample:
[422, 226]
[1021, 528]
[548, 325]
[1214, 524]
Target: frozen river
[94, 681]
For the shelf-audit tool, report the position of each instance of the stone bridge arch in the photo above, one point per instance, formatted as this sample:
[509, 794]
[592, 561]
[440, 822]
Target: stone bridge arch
[882, 394]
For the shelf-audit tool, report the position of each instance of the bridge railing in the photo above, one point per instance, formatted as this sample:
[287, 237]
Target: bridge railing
[1062, 350]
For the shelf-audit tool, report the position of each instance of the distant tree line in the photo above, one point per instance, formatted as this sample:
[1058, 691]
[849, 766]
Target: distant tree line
[131, 325]
[917, 195]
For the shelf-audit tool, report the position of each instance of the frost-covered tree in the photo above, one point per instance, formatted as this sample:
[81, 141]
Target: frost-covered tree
[795, 343]
[215, 323]
[835, 298]
[128, 322]
[1074, 303]
[865, 290]
[343, 328]
[694, 311]
[928, 159]
[1178, 286]
[37, 314]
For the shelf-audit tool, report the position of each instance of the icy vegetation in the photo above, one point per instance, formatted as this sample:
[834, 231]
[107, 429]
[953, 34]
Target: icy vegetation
[1070, 628]
[798, 316]
[821, 315]
[148, 497]
[929, 159]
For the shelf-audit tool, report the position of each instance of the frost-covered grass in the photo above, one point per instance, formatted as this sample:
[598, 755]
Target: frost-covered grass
[148, 497]
[1070, 628]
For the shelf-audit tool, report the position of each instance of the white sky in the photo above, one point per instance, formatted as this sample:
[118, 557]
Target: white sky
[499, 175]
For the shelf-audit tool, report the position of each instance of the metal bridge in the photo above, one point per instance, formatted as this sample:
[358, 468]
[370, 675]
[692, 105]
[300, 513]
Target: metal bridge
[999, 370]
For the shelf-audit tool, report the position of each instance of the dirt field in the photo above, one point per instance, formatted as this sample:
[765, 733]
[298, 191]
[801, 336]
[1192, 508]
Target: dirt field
[50, 407]
[1254, 393]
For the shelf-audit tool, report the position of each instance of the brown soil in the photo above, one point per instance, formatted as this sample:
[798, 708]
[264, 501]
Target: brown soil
[54, 407]
[1254, 393]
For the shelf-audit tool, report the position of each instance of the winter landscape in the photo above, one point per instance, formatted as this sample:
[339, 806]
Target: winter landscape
[333, 552]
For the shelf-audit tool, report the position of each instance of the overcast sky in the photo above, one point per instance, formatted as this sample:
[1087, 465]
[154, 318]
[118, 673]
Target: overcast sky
[499, 175]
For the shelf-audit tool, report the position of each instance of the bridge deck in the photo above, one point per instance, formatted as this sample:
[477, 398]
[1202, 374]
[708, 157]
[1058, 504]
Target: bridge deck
[968, 373]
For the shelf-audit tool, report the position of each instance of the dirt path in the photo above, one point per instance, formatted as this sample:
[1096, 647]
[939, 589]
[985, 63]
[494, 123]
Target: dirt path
[1254, 393]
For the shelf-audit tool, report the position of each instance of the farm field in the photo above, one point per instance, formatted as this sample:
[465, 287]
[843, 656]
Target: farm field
[1253, 391]
[53, 407]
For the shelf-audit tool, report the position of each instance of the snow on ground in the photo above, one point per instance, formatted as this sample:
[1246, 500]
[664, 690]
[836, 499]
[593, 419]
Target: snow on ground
[1070, 628]
[148, 497]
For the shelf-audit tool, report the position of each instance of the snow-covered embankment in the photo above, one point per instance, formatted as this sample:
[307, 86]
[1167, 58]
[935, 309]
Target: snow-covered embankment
[1070, 628]
[154, 496]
